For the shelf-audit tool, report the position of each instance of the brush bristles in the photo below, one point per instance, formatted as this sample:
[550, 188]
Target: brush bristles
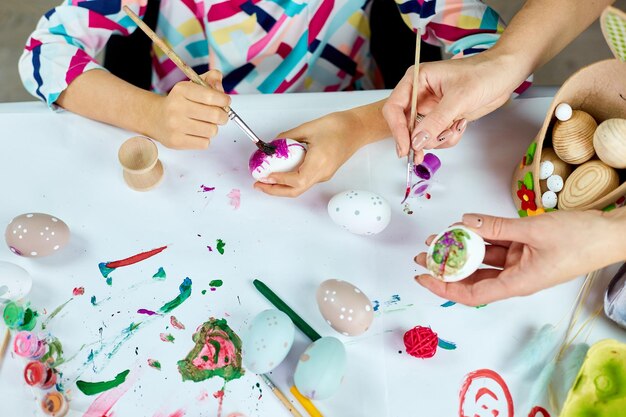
[267, 149]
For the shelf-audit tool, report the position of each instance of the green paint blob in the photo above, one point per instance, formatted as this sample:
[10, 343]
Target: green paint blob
[185, 292]
[19, 318]
[93, 388]
[203, 292]
[600, 387]
[160, 274]
[216, 283]
[153, 363]
[220, 246]
[223, 344]
[54, 356]
[93, 300]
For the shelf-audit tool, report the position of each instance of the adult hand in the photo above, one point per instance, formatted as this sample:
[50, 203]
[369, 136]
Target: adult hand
[331, 140]
[533, 253]
[189, 116]
[451, 93]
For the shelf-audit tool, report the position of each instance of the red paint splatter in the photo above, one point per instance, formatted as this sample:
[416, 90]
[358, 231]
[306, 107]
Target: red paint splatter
[135, 258]
[427, 196]
[203, 396]
[78, 291]
[536, 410]
[482, 377]
[220, 397]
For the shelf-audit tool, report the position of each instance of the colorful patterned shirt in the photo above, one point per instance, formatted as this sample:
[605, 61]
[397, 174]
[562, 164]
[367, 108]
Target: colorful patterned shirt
[261, 46]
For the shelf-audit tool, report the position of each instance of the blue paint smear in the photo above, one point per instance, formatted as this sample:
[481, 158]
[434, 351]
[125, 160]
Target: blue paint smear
[443, 344]
[376, 305]
[105, 270]
[448, 304]
[93, 300]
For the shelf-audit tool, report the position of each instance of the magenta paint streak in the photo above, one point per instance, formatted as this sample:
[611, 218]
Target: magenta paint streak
[106, 401]
[205, 189]
[259, 157]
[147, 312]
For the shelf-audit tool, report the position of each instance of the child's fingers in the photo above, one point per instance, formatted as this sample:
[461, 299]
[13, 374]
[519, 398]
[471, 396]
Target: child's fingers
[206, 96]
[199, 128]
[214, 79]
[210, 114]
[193, 142]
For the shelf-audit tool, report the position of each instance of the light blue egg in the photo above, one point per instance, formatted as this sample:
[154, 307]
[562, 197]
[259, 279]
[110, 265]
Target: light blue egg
[615, 298]
[321, 368]
[267, 340]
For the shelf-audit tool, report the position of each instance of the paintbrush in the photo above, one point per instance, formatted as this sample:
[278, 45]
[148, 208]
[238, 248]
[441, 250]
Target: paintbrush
[279, 394]
[5, 343]
[194, 77]
[412, 121]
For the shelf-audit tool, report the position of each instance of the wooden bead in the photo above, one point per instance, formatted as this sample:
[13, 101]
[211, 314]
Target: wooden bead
[588, 183]
[561, 168]
[572, 139]
[609, 142]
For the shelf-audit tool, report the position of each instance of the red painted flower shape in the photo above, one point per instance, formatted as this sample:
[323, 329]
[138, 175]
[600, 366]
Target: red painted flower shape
[527, 197]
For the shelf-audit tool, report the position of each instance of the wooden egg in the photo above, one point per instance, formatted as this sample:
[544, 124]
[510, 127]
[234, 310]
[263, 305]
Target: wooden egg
[558, 167]
[573, 139]
[588, 183]
[609, 142]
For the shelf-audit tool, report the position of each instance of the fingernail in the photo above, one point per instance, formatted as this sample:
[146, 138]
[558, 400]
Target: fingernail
[398, 149]
[444, 135]
[419, 140]
[267, 180]
[462, 125]
[472, 220]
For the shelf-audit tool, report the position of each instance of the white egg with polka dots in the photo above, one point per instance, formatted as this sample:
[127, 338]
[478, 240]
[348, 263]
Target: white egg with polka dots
[344, 307]
[36, 234]
[267, 341]
[360, 212]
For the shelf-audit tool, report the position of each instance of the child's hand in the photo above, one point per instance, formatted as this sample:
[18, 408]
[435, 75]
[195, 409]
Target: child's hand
[331, 141]
[188, 117]
[534, 253]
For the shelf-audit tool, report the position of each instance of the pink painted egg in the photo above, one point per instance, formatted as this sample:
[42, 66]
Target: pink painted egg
[288, 157]
[36, 234]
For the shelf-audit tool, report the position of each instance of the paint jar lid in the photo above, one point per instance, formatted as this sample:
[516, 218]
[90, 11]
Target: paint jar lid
[429, 166]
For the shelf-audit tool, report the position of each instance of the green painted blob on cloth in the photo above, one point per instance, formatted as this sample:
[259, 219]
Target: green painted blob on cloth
[220, 246]
[185, 292]
[54, 356]
[160, 274]
[217, 352]
[153, 363]
[216, 283]
[93, 388]
[600, 387]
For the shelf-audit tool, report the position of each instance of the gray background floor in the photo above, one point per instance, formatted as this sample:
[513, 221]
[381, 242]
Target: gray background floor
[18, 19]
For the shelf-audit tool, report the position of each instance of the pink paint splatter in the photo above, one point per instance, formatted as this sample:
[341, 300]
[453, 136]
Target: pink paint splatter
[209, 248]
[167, 337]
[203, 396]
[205, 189]
[176, 324]
[177, 413]
[78, 291]
[147, 312]
[235, 198]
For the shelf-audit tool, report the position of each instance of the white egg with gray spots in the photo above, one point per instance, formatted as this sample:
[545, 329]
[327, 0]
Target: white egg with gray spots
[344, 307]
[360, 212]
[549, 199]
[267, 341]
[545, 170]
[555, 183]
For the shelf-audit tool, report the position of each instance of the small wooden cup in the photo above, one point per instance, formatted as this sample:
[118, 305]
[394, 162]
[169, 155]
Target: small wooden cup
[139, 157]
